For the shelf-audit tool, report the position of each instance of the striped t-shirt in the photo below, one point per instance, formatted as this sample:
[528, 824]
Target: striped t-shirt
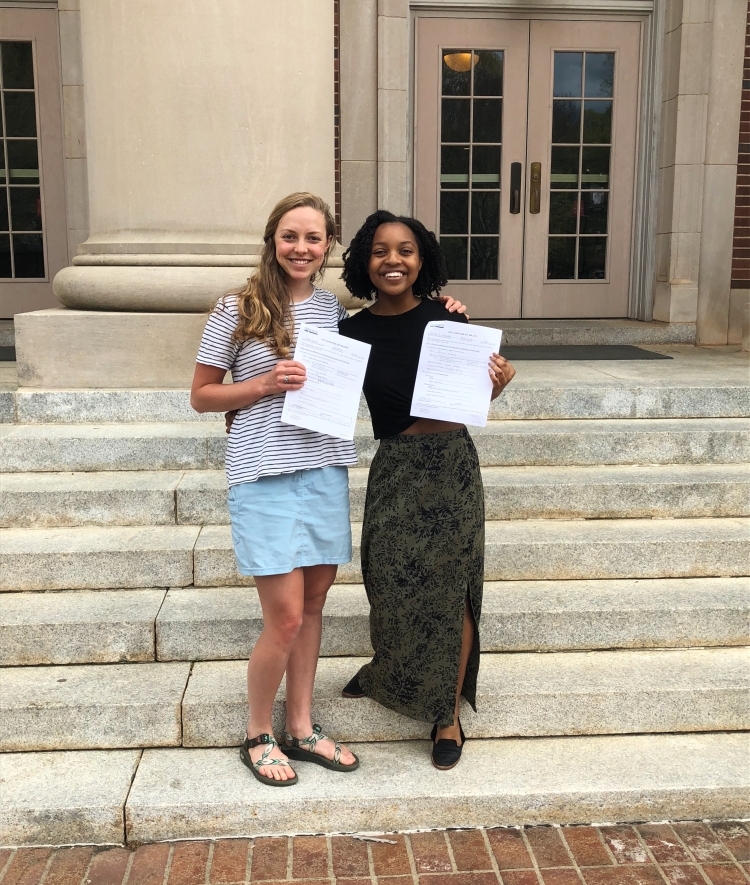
[259, 444]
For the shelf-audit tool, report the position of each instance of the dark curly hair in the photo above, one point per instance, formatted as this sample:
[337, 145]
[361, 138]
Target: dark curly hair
[432, 275]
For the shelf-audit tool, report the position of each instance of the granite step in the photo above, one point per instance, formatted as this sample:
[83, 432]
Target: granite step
[588, 391]
[91, 707]
[86, 796]
[201, 445]
[541, 550]
[223, 622]
[79, 627]
[94, 557]
[199, 497]
[519, 694]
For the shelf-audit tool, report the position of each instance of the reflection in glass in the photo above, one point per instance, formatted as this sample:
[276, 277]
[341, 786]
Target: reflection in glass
[4, 210]
[561, 258]
[6, 271]
[20, 114]
[2, 166]
[17, 64]
[595, 168]
[456, 82]
[455, 120]
[28, 255]
[484, 255]
[566, 122]
[25, 208]
[455, 251]
[594, 212]
[564, 167]
[454, 212]
[454, 167]
[488, 73]
[592, 255]
[568, 70]
[488, 119]
[485, 212]
[485, 168]
[23, 162]
[597, 122]
[600, 74]
[563, 212]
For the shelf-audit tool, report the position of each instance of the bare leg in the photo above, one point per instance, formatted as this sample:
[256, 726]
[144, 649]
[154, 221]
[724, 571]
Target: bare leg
[452, 732]
[303, 660]
[282, 601]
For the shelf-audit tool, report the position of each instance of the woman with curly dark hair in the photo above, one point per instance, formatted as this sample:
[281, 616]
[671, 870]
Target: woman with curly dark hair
[423, 530]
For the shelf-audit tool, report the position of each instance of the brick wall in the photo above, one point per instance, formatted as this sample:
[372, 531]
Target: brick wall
[741, 252]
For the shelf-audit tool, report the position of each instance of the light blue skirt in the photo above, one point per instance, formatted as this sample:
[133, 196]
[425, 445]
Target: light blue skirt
[291, 520]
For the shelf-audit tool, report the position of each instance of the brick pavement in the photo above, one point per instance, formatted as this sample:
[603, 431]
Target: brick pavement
[647, 854]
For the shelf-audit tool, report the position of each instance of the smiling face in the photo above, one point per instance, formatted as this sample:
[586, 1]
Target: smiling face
[394, 260]
[301, 242]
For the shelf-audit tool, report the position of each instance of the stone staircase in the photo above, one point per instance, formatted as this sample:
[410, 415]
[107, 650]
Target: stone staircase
[615, 674]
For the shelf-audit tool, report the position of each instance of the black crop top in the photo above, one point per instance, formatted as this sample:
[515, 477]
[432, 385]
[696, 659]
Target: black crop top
[392, 368]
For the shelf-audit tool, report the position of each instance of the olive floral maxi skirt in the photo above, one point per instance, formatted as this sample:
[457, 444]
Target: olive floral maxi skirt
[422, 559]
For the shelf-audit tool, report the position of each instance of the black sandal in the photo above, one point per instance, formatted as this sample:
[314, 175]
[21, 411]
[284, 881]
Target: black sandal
[265, 761]
[446, 752]
[303, 750]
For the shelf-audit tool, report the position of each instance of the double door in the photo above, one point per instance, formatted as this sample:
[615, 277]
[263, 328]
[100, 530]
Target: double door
[525, 145]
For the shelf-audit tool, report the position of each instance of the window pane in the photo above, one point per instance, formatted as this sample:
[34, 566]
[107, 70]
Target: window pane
[5, 266]
[20, 114]
[561, 258]
[17, 65]
[595, 168]
[454, 212]
[488, 73]
[484, 253]
[456, 71]
[2, 165]
[568, 70]
[488, 119]
[592, 254]
[4, 209]
[455, 122]
[597, 122]
[566, 122]
[600, 74]
[28, 255]
[485, 212]
[594, 212]
[25, 208]
[563, 211]
[23, 161]
[485, 169]
[564, 168]
[455, 250]
[454, 167]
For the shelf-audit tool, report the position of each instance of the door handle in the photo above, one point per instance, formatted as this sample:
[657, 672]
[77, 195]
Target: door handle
[535, 191]
[515, 188]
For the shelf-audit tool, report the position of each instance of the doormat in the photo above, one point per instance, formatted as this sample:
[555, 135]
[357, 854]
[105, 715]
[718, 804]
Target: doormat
[521, 352]
[7, 354]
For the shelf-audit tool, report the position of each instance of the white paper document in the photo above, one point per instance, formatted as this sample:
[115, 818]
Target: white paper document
[329, 400]
[453, 380]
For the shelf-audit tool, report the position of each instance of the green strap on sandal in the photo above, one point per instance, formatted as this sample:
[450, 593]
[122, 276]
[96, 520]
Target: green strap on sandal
[303, 750]
[266, 760]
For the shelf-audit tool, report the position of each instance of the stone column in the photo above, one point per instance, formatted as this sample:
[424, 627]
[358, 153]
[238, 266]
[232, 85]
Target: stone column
[199, 116]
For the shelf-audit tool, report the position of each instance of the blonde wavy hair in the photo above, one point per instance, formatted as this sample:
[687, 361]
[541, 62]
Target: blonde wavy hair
[263, 305]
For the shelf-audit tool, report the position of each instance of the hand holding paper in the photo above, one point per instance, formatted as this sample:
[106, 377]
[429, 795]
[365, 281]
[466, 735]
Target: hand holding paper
[453, 382]
[329, 400]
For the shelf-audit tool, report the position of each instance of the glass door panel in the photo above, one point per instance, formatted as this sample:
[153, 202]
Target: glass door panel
[583, 125]
[471, 125]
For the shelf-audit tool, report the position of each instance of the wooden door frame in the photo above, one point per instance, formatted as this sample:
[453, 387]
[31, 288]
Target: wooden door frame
[396, 68]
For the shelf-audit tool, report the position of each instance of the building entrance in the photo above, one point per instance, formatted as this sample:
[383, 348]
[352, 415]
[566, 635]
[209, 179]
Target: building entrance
[525, 145]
